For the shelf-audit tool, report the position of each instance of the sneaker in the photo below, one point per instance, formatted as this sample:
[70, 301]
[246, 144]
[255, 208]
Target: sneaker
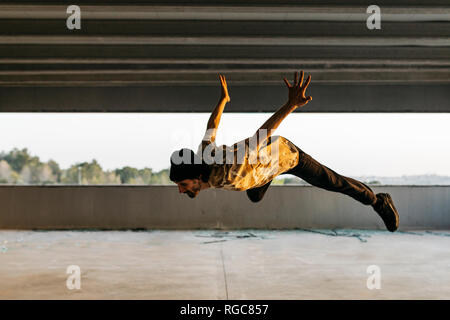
[386, 210]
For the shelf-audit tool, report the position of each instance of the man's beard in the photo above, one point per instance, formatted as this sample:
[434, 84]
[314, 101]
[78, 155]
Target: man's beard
[196, 189]
[190, 194]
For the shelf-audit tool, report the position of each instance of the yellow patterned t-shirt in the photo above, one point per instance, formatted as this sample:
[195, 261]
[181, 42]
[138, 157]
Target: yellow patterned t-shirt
[239, 167]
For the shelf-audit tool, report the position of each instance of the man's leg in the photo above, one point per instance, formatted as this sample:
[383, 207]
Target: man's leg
[256, 194]
[323, 177]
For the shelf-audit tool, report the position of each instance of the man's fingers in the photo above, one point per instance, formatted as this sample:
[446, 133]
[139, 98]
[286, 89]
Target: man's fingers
[307, 83]
[295, 78]
[308, 98]
[287, 82]
[223, 80]
[301, 78]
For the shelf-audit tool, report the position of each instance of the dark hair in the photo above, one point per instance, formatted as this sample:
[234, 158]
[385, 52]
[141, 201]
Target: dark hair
[185, 164]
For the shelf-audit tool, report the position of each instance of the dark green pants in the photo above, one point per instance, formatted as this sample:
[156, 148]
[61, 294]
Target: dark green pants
[323, 177]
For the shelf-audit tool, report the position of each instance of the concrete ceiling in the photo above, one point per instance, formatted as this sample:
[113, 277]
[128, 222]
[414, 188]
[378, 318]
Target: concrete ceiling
[151, 56]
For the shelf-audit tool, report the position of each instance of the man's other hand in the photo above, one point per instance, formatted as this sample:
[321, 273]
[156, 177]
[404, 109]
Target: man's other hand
[297, 90]
[223, 83]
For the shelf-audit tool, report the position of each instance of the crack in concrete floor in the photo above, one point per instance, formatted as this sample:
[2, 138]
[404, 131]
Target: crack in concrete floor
[224, 271]
[361, 235]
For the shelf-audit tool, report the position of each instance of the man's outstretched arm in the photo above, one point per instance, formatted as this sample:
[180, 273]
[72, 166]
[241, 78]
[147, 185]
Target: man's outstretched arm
[296, 99]
[214, 119]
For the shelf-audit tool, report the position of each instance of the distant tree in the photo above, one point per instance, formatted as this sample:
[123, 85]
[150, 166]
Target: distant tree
[70, 175]
[56, 170]
[87, 172]
[127, 174]
[5, 172]
[15, 177]
[92, 172]
[27, 169]
[295, 181]
[46, 175]
[278, 181]
[18, 159]
[161, 177]
[25, 175]
[20, 167]
[111, 178]
[146, 175]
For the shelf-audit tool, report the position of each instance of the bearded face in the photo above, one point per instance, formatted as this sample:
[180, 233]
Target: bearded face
[189, 186]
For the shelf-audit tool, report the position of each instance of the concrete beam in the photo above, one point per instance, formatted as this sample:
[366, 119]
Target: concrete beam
[251, 3]
[161, 207]
[45, 29]
[229, 41]
[212, 52]
[142, 47]
[294, 12]
[299, 12]
[86, 78]
[244, 98]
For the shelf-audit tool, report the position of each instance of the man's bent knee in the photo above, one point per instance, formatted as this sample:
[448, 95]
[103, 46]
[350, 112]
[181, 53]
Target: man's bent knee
[254, 196]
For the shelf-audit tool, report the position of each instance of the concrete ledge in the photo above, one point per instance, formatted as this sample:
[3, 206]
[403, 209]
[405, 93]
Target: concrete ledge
[161, 207]
[294, 12]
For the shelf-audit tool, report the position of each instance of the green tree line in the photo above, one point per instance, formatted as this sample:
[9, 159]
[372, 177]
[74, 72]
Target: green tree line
[20, 167]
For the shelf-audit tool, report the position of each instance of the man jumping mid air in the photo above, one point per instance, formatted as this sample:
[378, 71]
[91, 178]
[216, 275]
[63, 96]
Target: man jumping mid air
[257, 160]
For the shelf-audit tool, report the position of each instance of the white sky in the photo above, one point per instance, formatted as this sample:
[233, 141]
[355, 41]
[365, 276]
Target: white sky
[351, 144]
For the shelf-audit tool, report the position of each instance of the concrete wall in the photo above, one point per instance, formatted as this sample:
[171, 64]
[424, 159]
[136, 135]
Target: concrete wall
[161, 207]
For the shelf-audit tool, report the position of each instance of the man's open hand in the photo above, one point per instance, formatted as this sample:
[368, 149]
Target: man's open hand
[223, 82]
[297, 91]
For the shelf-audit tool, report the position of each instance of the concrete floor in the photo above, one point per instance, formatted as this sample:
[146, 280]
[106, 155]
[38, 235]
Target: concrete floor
[208, 264]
